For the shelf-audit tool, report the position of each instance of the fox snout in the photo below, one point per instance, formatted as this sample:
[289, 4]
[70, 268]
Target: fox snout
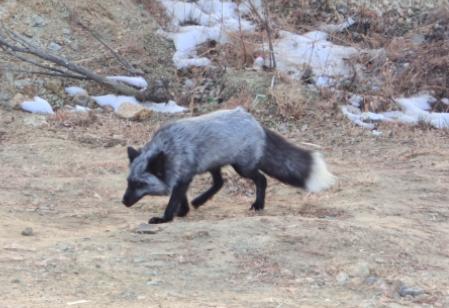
[129, 199]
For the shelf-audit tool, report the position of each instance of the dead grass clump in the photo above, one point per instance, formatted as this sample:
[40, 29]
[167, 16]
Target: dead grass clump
[289, 100]
[244, 99]
[421, 68]
[64, 118]
[157, 10]
[240, 52]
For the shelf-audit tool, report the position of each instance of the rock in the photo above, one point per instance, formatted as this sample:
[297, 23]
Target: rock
[83, 100]
[153, 282]
[189, 84]
[370, 280]
[146, 229]
[342, 278]
[54, 46]
[35, 120]
[27, 231]
[54, 85]
[38, 21]
[17, 100]
[129, 295]
[409, 291]
[360, 270]
[134, 112]
[27, 87]
[15, 281]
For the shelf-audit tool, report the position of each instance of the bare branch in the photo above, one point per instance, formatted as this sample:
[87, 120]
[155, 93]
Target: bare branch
[30, 61]
[19, 47]
[126, 65]
[64, 75]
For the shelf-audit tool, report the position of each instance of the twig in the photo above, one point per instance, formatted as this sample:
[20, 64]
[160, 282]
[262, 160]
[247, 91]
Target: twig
[241, 36]
[119, 59]
[74, 70]
[268, 29]
[265, 23]
[63, 75]
[25, 59]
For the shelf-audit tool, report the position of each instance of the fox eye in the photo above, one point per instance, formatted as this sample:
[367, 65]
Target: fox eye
[137, 185]
[140, 185]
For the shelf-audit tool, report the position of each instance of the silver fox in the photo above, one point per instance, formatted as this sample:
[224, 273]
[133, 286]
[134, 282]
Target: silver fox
[182, 149]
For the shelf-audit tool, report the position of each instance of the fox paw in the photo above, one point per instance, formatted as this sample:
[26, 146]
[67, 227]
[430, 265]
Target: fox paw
[158, 220]
[256, 206]
[198, 201]
[182, 212]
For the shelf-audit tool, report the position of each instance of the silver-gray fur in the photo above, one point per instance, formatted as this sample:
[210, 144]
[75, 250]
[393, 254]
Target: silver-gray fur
[181, 149]
[196, 145]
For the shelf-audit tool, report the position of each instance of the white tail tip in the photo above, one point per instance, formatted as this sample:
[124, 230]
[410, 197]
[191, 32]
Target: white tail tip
[320, 178]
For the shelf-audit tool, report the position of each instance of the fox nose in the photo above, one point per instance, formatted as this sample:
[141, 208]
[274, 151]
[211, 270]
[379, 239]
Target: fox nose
[127, 201]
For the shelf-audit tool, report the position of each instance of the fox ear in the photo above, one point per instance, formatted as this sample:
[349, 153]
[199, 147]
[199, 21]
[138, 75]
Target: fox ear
[132, 153]
[156, 165]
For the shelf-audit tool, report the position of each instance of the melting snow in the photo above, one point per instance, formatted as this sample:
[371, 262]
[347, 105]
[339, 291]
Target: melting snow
[338, 27]
[37, 105]
[79, 108]
[72, 91]
[197, 22]
[170, 107]
[138, 82]
[294, 53]
[114, 100]
[415, 109]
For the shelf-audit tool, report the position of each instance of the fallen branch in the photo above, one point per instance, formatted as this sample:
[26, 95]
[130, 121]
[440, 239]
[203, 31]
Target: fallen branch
[12, 44]
[64, 75]
[123, 62]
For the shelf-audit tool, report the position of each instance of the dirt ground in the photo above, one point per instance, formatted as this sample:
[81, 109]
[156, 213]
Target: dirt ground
[380, 234]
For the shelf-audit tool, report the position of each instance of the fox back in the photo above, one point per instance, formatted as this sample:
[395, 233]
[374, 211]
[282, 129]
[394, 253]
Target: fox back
[196, 145]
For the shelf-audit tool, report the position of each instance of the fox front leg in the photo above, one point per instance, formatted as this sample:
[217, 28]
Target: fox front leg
[177, 197]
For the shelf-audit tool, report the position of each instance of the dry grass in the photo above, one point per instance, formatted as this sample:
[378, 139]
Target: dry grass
[405, 68]
[243, 98]
[63, 118]
[427, 69]
[289, 100]
[156, 9]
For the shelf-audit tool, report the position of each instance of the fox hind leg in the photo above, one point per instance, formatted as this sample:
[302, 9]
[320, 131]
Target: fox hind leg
[216, 186]
[261, 184]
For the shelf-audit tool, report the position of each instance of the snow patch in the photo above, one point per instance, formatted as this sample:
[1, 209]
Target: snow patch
[79, 108]
[73, 91]
[170, 107]
[37, 105]
[138, 82]
[338, 27]
[114, 100]
[194, 23]
[294, 53]
[415, 110]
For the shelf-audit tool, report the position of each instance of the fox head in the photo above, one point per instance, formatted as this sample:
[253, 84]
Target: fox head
[146, 176]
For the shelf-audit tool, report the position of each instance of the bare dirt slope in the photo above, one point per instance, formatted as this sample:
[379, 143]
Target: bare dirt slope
[384, 229]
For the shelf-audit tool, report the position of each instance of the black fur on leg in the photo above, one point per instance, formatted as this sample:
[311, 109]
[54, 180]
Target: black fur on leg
[184, 208]
[261, 184]
[216, 186]
[177, 197]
